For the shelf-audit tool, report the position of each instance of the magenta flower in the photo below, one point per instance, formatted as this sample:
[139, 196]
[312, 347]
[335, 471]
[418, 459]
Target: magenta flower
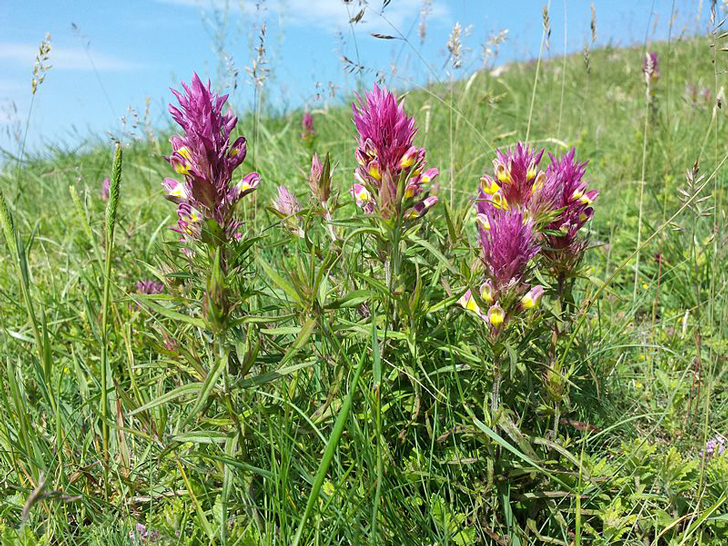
[573, 200]
[146, 286]
[205, 158]
[307, 126]
[651, 67]
[105, 189]
[142, 534]
[391, 173]
[517, 180]
[508, 245]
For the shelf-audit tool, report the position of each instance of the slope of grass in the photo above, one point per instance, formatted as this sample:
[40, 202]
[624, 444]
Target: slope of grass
[417, 462]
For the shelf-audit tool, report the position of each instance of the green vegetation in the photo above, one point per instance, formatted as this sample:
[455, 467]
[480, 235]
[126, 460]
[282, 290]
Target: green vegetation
[205, 437]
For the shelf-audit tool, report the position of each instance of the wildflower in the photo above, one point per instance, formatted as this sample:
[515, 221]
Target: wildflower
[532, 298]
[286, 203]
[517, 180]
[496, 315]
[508, 246]
[571, 198]
[287, 207]
[651, 67]
[141, 533]
[206, 159]
[307, 126]
[363, 198]
[146, 286]
[714, 447]
[467, 301]
[105, 189]
[391, 171]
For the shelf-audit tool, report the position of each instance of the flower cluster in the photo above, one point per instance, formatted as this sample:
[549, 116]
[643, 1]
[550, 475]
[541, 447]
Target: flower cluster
[714, 447]
[521, 211]
[205, 158]
[391, 177]
[286, 206]
[562, 243]
[307, 126]
[517, 182]
[146, 286]
[697, 97]
[508, 244]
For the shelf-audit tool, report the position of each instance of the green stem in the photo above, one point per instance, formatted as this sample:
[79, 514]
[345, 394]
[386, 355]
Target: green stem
[110, 224]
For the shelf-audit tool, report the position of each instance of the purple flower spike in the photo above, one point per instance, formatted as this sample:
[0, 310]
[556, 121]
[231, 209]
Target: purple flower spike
[206, 159]
[307, 126]
[105, 189]
[571, 196]
[146, 286]
[508, 246]
[387, 157]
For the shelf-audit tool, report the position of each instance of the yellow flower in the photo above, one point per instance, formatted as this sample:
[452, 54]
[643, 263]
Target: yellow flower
[482, 221]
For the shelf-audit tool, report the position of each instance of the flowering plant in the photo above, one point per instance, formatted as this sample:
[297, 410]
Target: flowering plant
[204, 156]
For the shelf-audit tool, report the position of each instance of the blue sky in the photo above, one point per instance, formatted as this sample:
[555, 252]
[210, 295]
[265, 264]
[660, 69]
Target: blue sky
[120, 53]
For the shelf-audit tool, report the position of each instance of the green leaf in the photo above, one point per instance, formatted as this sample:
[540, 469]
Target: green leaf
[436, 253]
[279, 281]
[179, 392]
[352, 299]
[207, 387]
[169, 313]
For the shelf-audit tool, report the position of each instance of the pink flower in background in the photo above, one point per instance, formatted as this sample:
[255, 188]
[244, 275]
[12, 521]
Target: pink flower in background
[206, 159]
[651, 67]
[105, 188]
[147, 286]
[388, 158]
[307, 126]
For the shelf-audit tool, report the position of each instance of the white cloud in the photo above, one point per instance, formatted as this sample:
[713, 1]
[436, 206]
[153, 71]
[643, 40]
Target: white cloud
[330, 15]
[66, 58]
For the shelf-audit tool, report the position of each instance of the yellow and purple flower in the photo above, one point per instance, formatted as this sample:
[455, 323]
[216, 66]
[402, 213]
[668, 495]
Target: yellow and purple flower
[206, 159]
[508, 244]
[573, 201]
[391, 176]
[516, 182]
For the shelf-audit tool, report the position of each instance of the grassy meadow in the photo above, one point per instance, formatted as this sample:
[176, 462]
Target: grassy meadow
[339, 406]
